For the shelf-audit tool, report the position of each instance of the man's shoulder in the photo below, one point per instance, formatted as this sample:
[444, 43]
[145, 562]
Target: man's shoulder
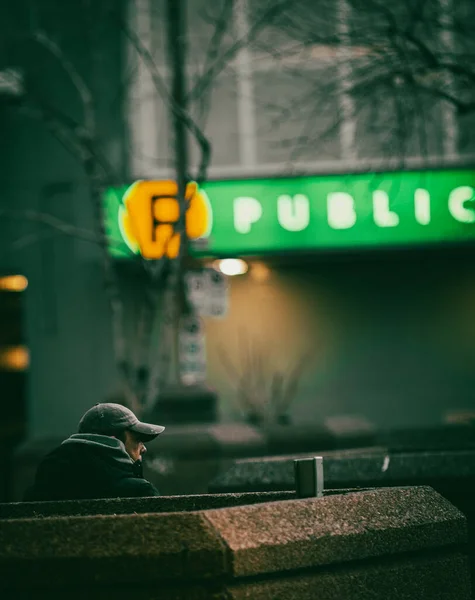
[130, 487]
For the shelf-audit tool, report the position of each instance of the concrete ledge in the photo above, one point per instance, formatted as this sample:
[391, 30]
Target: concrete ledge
[451, 473]
[124, 506]
[369, 468]
[416, 578]
[60, 551]
[314, 546]
[299, 534]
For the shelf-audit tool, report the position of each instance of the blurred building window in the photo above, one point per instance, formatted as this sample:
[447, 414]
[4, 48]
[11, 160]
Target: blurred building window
[311, 90]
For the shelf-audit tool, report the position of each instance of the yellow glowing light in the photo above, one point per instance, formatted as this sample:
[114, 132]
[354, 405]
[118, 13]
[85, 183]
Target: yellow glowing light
[150, 213]
[260, 272]
[13, 283]
[14, 358]
[232, 266]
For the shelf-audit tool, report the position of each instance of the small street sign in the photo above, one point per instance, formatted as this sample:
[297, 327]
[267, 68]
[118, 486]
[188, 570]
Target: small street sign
[192, 350]
[208, 292]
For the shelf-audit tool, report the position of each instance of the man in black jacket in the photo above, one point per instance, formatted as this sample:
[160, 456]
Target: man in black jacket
[103, 460]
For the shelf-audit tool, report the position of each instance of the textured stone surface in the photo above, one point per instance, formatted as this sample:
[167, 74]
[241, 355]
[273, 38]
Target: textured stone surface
[123, 548]
[381, 544]
[368, 469]
[116, 506]
[319, 531]
[440, 578]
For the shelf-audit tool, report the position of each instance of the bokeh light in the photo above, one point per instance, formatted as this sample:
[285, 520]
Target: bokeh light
[232, 266]
[13, 283]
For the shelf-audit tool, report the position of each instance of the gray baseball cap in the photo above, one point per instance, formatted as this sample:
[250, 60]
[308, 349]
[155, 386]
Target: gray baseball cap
[107, 417]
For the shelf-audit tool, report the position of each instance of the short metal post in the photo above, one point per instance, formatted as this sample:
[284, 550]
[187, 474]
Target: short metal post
[309, 477]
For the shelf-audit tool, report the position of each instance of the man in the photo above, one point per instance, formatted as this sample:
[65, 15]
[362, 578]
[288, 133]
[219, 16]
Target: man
[103, 460]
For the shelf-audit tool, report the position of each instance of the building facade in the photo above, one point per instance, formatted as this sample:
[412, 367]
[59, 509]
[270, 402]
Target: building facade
[319, 89]
[66, 322]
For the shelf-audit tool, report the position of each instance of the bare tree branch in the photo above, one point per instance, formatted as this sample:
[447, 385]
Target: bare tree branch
[82, 88]
[55, 125]
[163, 92]
[398, 61]
[30, 239]
[221, 62]
[221, 26]
[51, 221]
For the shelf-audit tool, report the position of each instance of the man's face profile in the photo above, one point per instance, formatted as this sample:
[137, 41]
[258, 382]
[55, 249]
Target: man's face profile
[134, 445]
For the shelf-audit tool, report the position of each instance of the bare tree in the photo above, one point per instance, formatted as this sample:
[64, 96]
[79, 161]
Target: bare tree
[392, 75]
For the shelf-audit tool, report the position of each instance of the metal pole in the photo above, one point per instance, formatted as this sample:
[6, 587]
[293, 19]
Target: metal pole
[177, 45]
[176, 16]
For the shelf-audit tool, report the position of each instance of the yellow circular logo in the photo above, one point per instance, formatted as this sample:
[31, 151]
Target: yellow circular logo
[150, 212]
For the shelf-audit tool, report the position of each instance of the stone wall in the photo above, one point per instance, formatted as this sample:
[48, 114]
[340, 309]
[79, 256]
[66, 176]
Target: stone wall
[373, 467]
[127, 506]
[451, 473]
[384, 544]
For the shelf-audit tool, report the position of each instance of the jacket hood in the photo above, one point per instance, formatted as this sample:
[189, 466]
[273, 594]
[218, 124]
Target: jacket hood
[85, 460]
[103, 445]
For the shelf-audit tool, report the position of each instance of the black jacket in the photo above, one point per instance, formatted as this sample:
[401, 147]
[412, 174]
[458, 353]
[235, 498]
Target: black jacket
[89, 466]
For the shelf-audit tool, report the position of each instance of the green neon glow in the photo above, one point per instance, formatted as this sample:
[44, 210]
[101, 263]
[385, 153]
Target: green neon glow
[257, 216]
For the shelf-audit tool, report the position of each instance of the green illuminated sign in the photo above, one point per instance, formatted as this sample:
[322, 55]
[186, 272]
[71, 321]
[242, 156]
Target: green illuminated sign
[326, 212]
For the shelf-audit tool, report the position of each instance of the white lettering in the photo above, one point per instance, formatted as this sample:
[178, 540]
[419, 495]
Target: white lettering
[457, 199]
[383, 217]
[247, 211]
[341, 210]
[422, 206]
[293, 214]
